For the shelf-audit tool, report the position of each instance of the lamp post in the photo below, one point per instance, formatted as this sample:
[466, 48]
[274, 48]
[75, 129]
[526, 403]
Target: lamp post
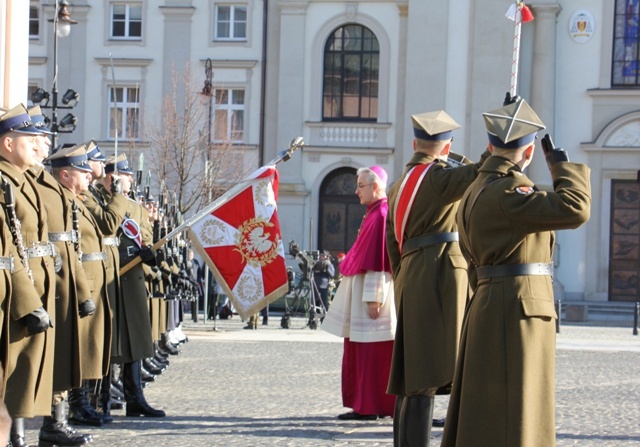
[209, 91]
[61, 28]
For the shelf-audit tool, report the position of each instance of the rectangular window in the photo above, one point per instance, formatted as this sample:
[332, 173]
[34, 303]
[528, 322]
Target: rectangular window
[34, 22]
[124, 112]
[231, 22]
[126, 21]
[228, 116]
[626, 67]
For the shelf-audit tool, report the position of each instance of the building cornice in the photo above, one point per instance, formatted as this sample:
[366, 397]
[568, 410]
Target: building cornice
[123, 62]
[231, 63]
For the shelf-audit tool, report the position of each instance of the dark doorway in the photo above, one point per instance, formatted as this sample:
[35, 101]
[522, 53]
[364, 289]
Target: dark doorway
[624, 258]
[340, 212]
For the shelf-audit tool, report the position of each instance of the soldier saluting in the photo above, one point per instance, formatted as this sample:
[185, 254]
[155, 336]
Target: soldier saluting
[503, 391]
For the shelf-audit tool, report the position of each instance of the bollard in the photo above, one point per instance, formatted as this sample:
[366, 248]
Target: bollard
[558, 304]
[635, 318]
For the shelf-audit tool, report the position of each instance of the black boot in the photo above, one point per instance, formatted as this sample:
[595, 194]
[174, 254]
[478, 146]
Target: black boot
[56, 432]
[397, 417]
[153, 367]
[136, 403]
[415, 424]
[167, 346]
[80, 410]
[17, 439]
[146, 375]
[104, 400]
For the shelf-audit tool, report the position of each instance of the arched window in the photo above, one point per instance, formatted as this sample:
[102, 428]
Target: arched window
[350, 87]
[340, 211]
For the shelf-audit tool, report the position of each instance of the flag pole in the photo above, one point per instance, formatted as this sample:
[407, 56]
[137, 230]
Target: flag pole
[516, 50]
[284, 155]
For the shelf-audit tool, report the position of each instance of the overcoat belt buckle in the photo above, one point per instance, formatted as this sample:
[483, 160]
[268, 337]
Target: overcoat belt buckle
[41, 249]
[97, 256]
[68, 236]
[7, 263]
[132, 250]
[113, 240]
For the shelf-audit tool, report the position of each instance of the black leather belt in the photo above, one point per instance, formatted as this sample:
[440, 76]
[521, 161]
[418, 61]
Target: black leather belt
[41, 250]
[68, 236]
[6, 263]
[113, 240]
[97, 256]
[534, 269]
[428, 239]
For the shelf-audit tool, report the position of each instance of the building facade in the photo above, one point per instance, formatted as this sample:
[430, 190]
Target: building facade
[347, 76]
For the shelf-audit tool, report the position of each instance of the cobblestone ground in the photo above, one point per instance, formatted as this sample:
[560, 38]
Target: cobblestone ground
[277, 387]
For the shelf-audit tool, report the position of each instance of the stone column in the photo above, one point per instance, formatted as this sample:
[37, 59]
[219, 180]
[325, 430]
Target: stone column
[543, 81]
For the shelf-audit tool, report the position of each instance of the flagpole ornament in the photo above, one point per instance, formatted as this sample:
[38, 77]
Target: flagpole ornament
[282, 156]
[519, 13]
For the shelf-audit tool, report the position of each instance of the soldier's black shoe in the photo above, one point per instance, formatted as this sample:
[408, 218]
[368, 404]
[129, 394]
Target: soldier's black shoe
[80, 410]
[85, 415]
[437, 423]
[137, 409]
[59, 434]
[146, 375]
[153, 368]
[56, 432]
[136, 403]
[115, 404]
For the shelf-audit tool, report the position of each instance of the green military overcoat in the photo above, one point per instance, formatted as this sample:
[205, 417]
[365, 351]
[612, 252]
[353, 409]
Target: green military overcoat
[431, 287]
[503, 391]
[30, 364]
[16, 292]
[109, 211]
[71, 285]
[136, 342]
[95, 332]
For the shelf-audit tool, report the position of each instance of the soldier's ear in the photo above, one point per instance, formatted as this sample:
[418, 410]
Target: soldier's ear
[528, 152]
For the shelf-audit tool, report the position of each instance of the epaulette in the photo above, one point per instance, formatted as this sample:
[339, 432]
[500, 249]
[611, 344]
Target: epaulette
[82, 197]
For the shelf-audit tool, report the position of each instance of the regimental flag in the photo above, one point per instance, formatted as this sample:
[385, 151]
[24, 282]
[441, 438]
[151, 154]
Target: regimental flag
[240, 242]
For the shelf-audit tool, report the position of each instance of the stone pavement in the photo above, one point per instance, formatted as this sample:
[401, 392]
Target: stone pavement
[277, 387]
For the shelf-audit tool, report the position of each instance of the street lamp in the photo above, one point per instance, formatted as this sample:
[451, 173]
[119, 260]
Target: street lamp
[61, 28]
[209, 91]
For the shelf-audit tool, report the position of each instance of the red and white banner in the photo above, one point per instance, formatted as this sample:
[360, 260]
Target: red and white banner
[240, 242]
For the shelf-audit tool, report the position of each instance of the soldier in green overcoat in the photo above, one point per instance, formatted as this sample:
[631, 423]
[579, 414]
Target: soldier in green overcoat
[430, 273]
[503, 391]
[136, 342]
[29, 366]
[71, 169]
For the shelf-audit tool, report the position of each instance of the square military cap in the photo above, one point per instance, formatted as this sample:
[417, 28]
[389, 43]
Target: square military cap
[37, 118]
[73, 156]
[437, 125]
[512, 126]
[121, 164]
[93, 152]
[17, 119]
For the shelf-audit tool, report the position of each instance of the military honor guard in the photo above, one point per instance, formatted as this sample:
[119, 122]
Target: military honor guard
[136, 343]
[71, 169]
[429, 271]
[73, 296]
[29, 366]
[503, 391]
